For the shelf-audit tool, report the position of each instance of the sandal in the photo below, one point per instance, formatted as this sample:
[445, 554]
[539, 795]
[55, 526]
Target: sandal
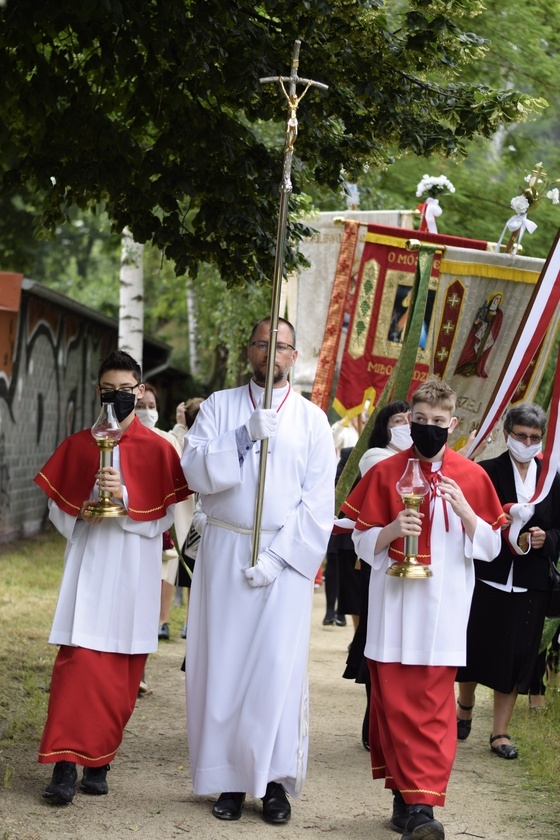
[503, 750]
[464, 726]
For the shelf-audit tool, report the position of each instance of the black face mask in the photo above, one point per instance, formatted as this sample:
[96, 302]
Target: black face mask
[428, 440]
[123, 402]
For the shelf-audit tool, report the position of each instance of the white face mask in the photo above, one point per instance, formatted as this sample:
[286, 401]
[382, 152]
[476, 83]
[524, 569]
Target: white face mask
[523, 453]
[147, 416]
[400, 437]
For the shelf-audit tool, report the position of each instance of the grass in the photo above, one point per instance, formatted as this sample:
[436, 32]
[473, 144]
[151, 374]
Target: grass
[537, 734]
[29, 578]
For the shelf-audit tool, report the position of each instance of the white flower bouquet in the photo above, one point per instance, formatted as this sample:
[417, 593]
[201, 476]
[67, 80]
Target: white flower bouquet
[429, 188]
[434, 187]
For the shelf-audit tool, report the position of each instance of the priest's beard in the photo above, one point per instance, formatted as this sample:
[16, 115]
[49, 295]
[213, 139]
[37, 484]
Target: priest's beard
[261, 380]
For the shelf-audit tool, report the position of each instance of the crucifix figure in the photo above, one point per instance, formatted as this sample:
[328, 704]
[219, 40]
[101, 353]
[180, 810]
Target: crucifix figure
[292, 99]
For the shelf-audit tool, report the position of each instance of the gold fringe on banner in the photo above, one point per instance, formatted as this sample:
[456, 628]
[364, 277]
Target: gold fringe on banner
[324, 377]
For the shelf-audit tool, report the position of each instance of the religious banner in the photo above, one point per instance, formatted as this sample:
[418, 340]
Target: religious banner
[477, 303]
[379, 316]
[482, 302]
[308, 294]
[340, 304]
[529, 349]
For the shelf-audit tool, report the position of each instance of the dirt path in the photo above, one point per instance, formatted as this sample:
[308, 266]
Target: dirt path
[150, 794]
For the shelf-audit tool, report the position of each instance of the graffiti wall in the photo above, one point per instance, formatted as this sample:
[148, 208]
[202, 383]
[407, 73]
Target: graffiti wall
[49, 355]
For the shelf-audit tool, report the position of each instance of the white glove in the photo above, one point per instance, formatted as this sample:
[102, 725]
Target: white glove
[265, 571]
[262, 423]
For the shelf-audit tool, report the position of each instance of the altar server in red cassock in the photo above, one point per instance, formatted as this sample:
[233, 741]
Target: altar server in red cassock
[416, 633]
[106, 619]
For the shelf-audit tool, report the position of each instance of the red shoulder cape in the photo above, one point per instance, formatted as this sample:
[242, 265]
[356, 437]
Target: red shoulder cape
[374, 502]
[150, 466]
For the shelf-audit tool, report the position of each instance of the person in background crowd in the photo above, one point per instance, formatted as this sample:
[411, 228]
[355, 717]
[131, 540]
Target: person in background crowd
[187, 412]
[147, 411]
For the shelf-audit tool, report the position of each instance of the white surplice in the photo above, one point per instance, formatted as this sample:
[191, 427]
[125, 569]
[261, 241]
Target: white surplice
[246, 662]
[109, 595]
[424, 622]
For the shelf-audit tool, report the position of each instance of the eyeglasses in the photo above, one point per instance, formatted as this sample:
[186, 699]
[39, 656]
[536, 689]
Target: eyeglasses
[126, 389]
[526, 438]
[280, 346]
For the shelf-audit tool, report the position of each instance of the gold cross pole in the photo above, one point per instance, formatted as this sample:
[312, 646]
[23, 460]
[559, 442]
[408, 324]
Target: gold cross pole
[293, 100]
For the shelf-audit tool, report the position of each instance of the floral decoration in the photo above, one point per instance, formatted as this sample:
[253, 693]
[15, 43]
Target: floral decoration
[429, 188]
[538, 187]
[434, 186]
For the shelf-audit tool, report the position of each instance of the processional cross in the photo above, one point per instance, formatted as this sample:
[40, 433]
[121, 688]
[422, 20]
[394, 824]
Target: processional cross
[293, 100]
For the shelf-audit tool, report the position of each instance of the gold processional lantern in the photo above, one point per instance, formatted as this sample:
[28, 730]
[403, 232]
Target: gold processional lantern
[411, 487]
[107, 433]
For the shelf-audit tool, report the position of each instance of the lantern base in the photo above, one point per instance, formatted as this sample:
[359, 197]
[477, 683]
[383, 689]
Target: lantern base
[104, 508]
[410, 568]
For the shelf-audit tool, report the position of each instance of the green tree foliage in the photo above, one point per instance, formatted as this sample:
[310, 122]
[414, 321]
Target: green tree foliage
[524, 52]
[224, 321]
[150, 109]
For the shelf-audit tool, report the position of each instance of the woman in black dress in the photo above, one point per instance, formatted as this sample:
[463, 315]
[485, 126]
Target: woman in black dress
[509, 602]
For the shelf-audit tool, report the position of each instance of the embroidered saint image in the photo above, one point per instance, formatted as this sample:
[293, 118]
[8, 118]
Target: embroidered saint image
[482, 337]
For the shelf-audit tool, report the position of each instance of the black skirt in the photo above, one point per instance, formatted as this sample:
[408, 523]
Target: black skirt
[356, 663]
[503, 638]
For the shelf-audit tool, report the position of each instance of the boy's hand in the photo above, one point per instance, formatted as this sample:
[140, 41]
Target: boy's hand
[83, 514]
[109, 479]
[452, 493]
[408, 523]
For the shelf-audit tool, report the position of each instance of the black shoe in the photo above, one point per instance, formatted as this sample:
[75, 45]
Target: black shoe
[464, 726]
[340, 621]
[163, 632]
[94, 780]
[503, 750]
[62, 786]
[329, 620]
[276, 808]
[421, 824]
[400, 814]
[228, 806]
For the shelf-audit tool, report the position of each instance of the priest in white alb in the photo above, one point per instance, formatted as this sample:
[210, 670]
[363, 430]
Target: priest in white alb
[248, 636]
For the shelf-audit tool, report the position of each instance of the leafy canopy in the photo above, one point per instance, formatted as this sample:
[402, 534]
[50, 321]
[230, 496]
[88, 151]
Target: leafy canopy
[153, 109]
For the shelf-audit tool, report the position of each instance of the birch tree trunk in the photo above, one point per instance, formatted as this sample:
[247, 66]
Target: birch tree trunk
[131, 301]
[192, 328]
